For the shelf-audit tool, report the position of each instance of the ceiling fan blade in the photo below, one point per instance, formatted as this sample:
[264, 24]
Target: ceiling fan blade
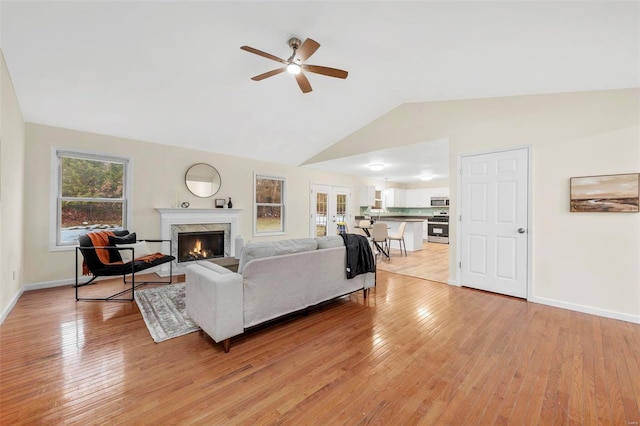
[263, 54]
[303, 82]
[331, 72]
[268, 74]
[307, 49]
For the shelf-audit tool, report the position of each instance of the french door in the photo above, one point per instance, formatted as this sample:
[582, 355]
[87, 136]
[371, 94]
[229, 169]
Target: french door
[494, 197]
[329, 210]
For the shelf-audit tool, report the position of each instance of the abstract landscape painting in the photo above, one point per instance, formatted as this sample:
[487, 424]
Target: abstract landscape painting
[609, 193]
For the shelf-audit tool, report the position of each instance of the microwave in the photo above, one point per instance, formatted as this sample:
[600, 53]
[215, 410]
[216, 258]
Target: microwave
[439, 201]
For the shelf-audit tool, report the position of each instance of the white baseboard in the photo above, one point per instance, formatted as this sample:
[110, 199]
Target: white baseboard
[72, 281]
[49, 284]
[587, 309]
[7, 310]
[453, 282]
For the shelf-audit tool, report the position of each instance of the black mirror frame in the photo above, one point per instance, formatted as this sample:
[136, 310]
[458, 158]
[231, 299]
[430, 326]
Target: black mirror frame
[214, 170]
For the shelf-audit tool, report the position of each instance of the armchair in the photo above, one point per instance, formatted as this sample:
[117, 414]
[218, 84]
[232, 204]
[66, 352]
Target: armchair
[104, 260]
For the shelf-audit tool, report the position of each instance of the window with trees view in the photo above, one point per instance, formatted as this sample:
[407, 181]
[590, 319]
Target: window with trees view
[91, 195]
[269, 204]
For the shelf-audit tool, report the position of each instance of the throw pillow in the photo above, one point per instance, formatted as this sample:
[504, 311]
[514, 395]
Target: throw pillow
[114, 255]
[139, 249]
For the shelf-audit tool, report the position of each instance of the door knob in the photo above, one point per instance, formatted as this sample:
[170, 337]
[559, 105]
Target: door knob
[520, 230]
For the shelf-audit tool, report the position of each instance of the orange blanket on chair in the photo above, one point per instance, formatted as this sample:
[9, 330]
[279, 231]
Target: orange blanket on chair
[101, 239]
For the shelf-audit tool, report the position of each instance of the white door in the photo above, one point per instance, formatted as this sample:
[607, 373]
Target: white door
[329, 210]
[493, 222]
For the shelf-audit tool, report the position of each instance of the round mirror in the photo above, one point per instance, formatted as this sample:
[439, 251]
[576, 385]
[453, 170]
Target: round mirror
[202, 180]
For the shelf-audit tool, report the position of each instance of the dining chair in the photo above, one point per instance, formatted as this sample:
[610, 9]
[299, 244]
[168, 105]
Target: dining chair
[399, 236]
[379, 236]
[363, 225]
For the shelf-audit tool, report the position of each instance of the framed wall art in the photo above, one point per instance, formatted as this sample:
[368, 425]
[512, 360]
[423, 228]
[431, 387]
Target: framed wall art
[220, 203]
[607, 193]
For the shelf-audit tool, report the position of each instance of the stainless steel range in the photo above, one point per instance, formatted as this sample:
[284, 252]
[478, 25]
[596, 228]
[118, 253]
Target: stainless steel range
[438, 228]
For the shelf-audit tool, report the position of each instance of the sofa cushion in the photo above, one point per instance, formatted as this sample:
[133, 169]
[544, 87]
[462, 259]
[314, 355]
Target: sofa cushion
[260, 249]
[330, 242]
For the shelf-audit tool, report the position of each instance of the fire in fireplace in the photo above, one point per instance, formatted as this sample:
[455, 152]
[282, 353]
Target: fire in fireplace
[200, 245]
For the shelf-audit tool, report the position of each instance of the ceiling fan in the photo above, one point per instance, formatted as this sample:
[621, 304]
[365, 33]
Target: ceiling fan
[295, 64]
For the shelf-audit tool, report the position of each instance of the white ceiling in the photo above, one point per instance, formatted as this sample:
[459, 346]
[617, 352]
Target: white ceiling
[172, 72]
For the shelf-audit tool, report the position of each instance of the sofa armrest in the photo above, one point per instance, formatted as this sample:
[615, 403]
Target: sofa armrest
[214, 301]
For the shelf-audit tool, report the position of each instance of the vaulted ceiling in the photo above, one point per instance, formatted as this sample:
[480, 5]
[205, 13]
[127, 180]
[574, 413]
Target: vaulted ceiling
[172, 72]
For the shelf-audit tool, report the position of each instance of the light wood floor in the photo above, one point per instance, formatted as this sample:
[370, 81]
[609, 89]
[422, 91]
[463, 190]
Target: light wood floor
[415, 352]
[430, 263]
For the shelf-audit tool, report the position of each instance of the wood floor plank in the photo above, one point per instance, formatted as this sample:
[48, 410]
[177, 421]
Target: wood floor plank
[601, 397]
[414, 352]
[430, 263]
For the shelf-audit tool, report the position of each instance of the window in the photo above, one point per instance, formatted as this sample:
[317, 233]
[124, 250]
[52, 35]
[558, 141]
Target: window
[90, 194]
[269, 205]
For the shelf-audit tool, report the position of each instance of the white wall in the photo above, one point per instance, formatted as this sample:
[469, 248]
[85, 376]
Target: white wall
[594, 255]
[12, 142]
[586, 262]
[158, 173]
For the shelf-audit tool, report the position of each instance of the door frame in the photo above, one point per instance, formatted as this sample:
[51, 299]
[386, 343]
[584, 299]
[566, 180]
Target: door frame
[530, 233]
[332, 190]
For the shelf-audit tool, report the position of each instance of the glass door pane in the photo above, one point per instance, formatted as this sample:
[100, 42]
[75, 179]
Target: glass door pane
[341, 213]
[322, 210]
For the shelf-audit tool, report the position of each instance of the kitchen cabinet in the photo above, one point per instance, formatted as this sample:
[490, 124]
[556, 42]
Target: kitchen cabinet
[377, 199]
[371, 197]
[422, 197]
[367, 195]
[440, 192]
[395, 197]
[418, 198]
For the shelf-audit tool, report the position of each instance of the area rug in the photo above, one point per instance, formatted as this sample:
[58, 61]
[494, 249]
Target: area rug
[164, 312]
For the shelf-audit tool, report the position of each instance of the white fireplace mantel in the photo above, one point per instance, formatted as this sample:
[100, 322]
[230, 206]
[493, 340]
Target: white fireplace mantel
[169, 217]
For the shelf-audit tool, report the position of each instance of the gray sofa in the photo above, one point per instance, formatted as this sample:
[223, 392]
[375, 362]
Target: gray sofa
[273, 279]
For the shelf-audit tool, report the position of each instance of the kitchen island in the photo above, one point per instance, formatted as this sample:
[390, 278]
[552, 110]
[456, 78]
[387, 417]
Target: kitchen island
[413, 232]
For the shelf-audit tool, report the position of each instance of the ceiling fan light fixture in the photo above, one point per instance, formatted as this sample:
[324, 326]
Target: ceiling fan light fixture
[296, 62]
[425, 177]
[376, 167]
[293, 69]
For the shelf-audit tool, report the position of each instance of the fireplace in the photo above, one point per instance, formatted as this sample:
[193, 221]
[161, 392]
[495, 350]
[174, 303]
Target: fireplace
[178, 221]
[200, 245]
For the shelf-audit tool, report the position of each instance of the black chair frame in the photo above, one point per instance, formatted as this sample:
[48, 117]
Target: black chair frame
[98, 269]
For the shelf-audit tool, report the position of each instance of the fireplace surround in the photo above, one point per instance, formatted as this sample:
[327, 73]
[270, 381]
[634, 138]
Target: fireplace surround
[188, 220]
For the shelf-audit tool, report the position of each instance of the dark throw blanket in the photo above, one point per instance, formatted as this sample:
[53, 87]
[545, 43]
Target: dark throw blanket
[359, 256]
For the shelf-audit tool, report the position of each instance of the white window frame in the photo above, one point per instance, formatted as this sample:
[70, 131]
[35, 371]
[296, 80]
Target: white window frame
[282, 205]
[55, 190]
